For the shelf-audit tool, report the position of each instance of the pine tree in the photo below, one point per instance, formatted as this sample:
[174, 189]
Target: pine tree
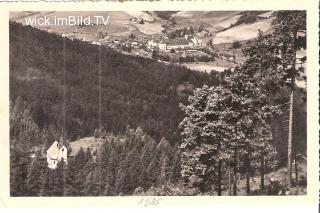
[58, 180]
[206, 135]
[19, 164]
[220, 125]
[109, 188]
[263, 153]
[286, 26]
[37, 167]
[273, 59]
[70, 182]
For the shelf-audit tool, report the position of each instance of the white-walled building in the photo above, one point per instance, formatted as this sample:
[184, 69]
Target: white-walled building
[162, 46]
[198, 42]
[187, 42]
[152, 43]
[179, 43]
[56, 153]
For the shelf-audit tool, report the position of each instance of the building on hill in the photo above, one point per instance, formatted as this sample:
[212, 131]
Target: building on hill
[162, 45]
[178, 43]
[198, 42]
[56, 153]
[152, 44]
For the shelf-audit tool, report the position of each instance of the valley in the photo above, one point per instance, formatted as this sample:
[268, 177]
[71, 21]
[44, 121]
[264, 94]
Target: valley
[157, 103]
[130, 32]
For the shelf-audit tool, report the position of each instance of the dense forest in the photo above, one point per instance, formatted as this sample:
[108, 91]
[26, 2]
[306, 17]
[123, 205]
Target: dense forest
[125, 164]
[135, 91]
[145, 128]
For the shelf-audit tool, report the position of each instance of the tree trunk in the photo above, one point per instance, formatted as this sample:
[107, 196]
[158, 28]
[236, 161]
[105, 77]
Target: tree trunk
[262, 175]
[291, 112]
[235, 174]
[229, 179]
[219, 178]
[296, 170]
[248, 173]
[64, 93]
[290, 140]
[248, 183]
[100, 72]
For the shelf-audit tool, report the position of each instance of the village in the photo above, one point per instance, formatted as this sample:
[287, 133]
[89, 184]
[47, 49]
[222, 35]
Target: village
[131, 99]
[190, 46]
[213, 44]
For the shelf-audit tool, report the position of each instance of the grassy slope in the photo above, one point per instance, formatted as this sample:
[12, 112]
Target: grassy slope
[243, 32]
[119, 25]
[210, 19]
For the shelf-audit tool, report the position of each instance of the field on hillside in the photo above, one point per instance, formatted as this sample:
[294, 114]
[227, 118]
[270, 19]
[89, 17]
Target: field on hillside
[242, 32]
[266, 14]
[149, 28]
[118, 27]
[140, 14]
[85, 143]
[219, 23]
[226, 22]
[208, 66]
[209, 19]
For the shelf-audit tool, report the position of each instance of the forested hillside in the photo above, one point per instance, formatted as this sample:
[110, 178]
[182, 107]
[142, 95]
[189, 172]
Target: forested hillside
[167, 130]
[124, 165]
[135, 91]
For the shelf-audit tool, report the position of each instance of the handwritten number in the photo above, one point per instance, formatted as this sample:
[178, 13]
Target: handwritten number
[149, 201]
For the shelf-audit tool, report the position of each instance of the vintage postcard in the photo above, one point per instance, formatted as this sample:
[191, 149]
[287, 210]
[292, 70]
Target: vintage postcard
[150, 102]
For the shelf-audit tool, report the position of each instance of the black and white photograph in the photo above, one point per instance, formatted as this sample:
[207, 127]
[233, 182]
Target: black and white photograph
[158, 103]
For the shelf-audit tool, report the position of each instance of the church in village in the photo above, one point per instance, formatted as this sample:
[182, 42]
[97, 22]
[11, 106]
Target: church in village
[57, 152]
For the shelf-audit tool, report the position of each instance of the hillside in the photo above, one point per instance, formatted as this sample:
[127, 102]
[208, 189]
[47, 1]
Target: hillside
[140, 92]
[162, 129]
[91, 143]
[204, 14]
[120, 26]
[140, 113]
[223, 24]
[135, 91]
[242, 32]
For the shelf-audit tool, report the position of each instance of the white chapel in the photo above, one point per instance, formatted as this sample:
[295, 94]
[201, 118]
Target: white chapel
[56, 153]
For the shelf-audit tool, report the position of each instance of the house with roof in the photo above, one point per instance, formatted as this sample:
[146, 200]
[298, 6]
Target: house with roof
[178, 43]
[57, 152]
[198, 42]
[162, 45]
[152, 44]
